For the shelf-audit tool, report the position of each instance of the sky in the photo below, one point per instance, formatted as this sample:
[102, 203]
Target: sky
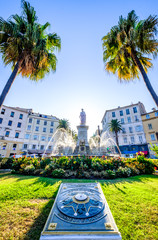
[80, 80]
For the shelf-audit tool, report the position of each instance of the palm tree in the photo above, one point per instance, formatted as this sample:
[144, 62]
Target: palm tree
[64, 123]
[25, 45]
[115, 126]
[125, 47]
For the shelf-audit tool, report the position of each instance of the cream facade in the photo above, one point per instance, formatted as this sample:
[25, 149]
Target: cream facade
[12, 129]
[132, 134]
[150, 124]
[38, 133]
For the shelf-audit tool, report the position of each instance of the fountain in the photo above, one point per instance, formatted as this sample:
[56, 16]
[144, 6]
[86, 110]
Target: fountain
[103, 145]
[62, 142]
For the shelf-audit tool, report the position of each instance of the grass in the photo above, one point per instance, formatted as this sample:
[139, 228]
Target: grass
[25, 203]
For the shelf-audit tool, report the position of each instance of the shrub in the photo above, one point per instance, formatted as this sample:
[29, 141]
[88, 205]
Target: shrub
[111, 174]
[58, 173]
[29, 169]
[37, 172]
[6, 163]
[86, 174]
[123, 172]
[70, 174]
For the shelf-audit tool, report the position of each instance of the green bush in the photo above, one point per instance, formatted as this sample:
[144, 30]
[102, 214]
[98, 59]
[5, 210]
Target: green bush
[58, 173]
[29, 169]
[111, 174]
[6, 163]
[123, 172]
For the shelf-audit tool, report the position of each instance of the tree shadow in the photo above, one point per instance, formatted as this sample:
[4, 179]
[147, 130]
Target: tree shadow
[35, 230]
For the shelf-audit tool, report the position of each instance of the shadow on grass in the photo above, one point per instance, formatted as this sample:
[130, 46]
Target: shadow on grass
[35, 230]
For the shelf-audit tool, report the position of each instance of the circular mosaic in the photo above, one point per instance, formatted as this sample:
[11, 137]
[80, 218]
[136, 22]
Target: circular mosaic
[80, 204]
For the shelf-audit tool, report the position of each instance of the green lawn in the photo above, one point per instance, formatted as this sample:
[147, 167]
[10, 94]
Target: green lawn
[25, 203]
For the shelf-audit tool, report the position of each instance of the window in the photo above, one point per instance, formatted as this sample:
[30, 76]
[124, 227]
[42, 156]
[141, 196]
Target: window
[122, 121]
[25, 146]
[16, 135]
[27, 136]
[125, 139]
[29, 127]
[44, 129]
[147, 116]
[136, 118]
[43, 138]
[113, 114]
[42, 147]
[156, 114]
[14, 146]
[127, 111]
[49, 138]
[7, 134]
[129, 119]
[132, 139]
[9, 123]
[30, 120]
[38, 121]
[3, 111]
[152, 137]
[51, 130]
[52, 124]
[123, 130]
[121, 113]
[149, 126]
[12, 114]
[35, 137]
[130, 129]
[134, 109]
[19, 125]
[21, 116]
[1, 120]
[138, 128]
[37, 129]
[33, 146]
[45, 123]
[4, 146]
[140, 139]
[50, 147]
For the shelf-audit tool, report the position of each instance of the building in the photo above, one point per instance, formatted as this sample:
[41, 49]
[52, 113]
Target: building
[150, 124]
[12, 129]
[132, 137]
[38, 133]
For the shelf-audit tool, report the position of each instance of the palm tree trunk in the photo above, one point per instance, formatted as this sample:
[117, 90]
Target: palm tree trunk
[145, 77]
[9, 83]
[117, 142]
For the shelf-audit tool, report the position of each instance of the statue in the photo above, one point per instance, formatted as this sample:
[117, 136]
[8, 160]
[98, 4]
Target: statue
[82, 118]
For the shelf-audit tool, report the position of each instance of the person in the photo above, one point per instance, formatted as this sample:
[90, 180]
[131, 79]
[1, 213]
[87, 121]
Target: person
[82, 118]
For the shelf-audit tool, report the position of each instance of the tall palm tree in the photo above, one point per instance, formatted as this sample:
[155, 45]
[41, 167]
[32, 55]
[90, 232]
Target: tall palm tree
[64, 123]
[127, 46]
[115, 126]
[25, 45]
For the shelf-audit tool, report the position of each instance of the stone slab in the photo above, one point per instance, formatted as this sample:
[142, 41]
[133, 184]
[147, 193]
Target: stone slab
[80, 211]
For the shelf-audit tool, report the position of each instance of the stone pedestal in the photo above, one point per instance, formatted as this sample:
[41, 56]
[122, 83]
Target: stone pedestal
[82, 146]
[80, 211]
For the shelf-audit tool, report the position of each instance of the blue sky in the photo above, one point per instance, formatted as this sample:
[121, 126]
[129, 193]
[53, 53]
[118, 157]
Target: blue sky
[80, 80]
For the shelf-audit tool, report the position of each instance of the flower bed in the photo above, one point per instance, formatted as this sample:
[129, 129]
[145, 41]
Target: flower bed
[84, 167]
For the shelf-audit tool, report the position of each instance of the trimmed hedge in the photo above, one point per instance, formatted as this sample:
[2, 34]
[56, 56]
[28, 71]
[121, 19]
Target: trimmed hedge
[83, 167]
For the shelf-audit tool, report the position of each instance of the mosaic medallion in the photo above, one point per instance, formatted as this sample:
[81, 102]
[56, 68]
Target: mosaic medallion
[80, 209]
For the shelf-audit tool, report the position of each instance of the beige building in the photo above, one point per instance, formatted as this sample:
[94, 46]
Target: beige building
[38, 133]
[150, 124]
[13, 122]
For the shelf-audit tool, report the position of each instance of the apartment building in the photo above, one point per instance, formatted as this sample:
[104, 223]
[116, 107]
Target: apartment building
[38, 133]
[13, 122]
[132, 137]
[150, 124]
